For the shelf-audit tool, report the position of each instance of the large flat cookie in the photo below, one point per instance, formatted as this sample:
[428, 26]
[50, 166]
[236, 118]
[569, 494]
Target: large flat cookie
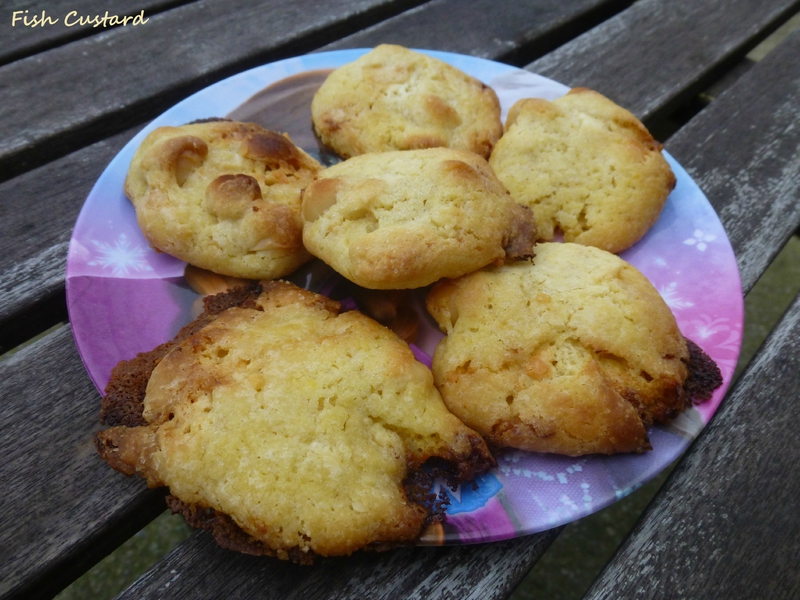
[287, 428]
[393, 98]
[586, 167]
[405, 219]
[573, 353]
[223, 196]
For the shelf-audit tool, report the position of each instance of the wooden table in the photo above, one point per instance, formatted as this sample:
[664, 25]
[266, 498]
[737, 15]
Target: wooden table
[724, 525]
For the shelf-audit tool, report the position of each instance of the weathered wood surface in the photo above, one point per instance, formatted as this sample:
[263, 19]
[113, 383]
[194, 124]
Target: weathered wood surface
[37, 214]
[48, 26]
[725, 523]
[34, 231]
[727, 517]
[516, 33]
[72, 95]
[58, 499]
[744, 153]
[32, 268]
[478, 572]
[689, 43]
[67, 543]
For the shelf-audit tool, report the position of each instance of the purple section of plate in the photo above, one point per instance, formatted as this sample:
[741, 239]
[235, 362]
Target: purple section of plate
[538, 492]
[689, 260]
[115, 319]
[107, 241]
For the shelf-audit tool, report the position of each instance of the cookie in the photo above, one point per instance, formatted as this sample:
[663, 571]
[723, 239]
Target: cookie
[586, 167]
[223, 196]
[404, 219]
[574, 353]
[288, 428]
[393, 98]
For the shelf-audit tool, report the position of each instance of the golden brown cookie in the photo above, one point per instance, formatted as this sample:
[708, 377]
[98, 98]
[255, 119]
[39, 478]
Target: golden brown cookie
[223, 196]
[404, 219]
[287, 428]
[393, 98]
[573, 353]
[586, 167]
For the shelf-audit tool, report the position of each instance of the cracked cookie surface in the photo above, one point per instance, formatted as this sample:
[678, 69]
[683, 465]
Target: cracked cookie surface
[404, 219]
[393, 98]
[586, 167]
[290, 429]
[573, 353]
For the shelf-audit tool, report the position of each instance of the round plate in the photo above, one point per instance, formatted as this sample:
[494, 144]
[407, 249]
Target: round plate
[125, 298]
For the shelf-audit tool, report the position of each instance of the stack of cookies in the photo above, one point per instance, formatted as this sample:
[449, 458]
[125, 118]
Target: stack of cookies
[291, 427]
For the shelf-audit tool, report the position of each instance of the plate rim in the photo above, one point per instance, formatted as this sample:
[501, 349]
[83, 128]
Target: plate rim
[122, 158]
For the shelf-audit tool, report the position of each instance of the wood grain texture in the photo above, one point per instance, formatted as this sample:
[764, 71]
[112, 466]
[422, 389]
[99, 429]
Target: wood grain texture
[476, 572]
[36, 223]
[744, 152]
[20, 40]
[515, 33]
[727, 516]
[103, 84]
[653, 56]
[725, 523]
[103, 502]
[37, 214]
[59, 498]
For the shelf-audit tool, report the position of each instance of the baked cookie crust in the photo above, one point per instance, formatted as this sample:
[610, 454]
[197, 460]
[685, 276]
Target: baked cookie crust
[586, 167]
[223, 196]
[404, 219]
[393, 98]
[288, 428]
[574, 353]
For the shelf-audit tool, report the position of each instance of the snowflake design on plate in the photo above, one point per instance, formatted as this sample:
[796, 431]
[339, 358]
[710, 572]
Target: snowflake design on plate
[700, 240]
[561, 476]
[706, 326]
[120, 257]
[670, 296]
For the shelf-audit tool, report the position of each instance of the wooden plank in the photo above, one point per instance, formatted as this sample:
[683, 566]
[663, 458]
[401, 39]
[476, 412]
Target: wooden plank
[73, 367]
[688, 43]
[516, 33]
[36, 220]
[725, 523]
[59, 499]
[29, 28]
[479, 572]
[744, 152]
[89, 89]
